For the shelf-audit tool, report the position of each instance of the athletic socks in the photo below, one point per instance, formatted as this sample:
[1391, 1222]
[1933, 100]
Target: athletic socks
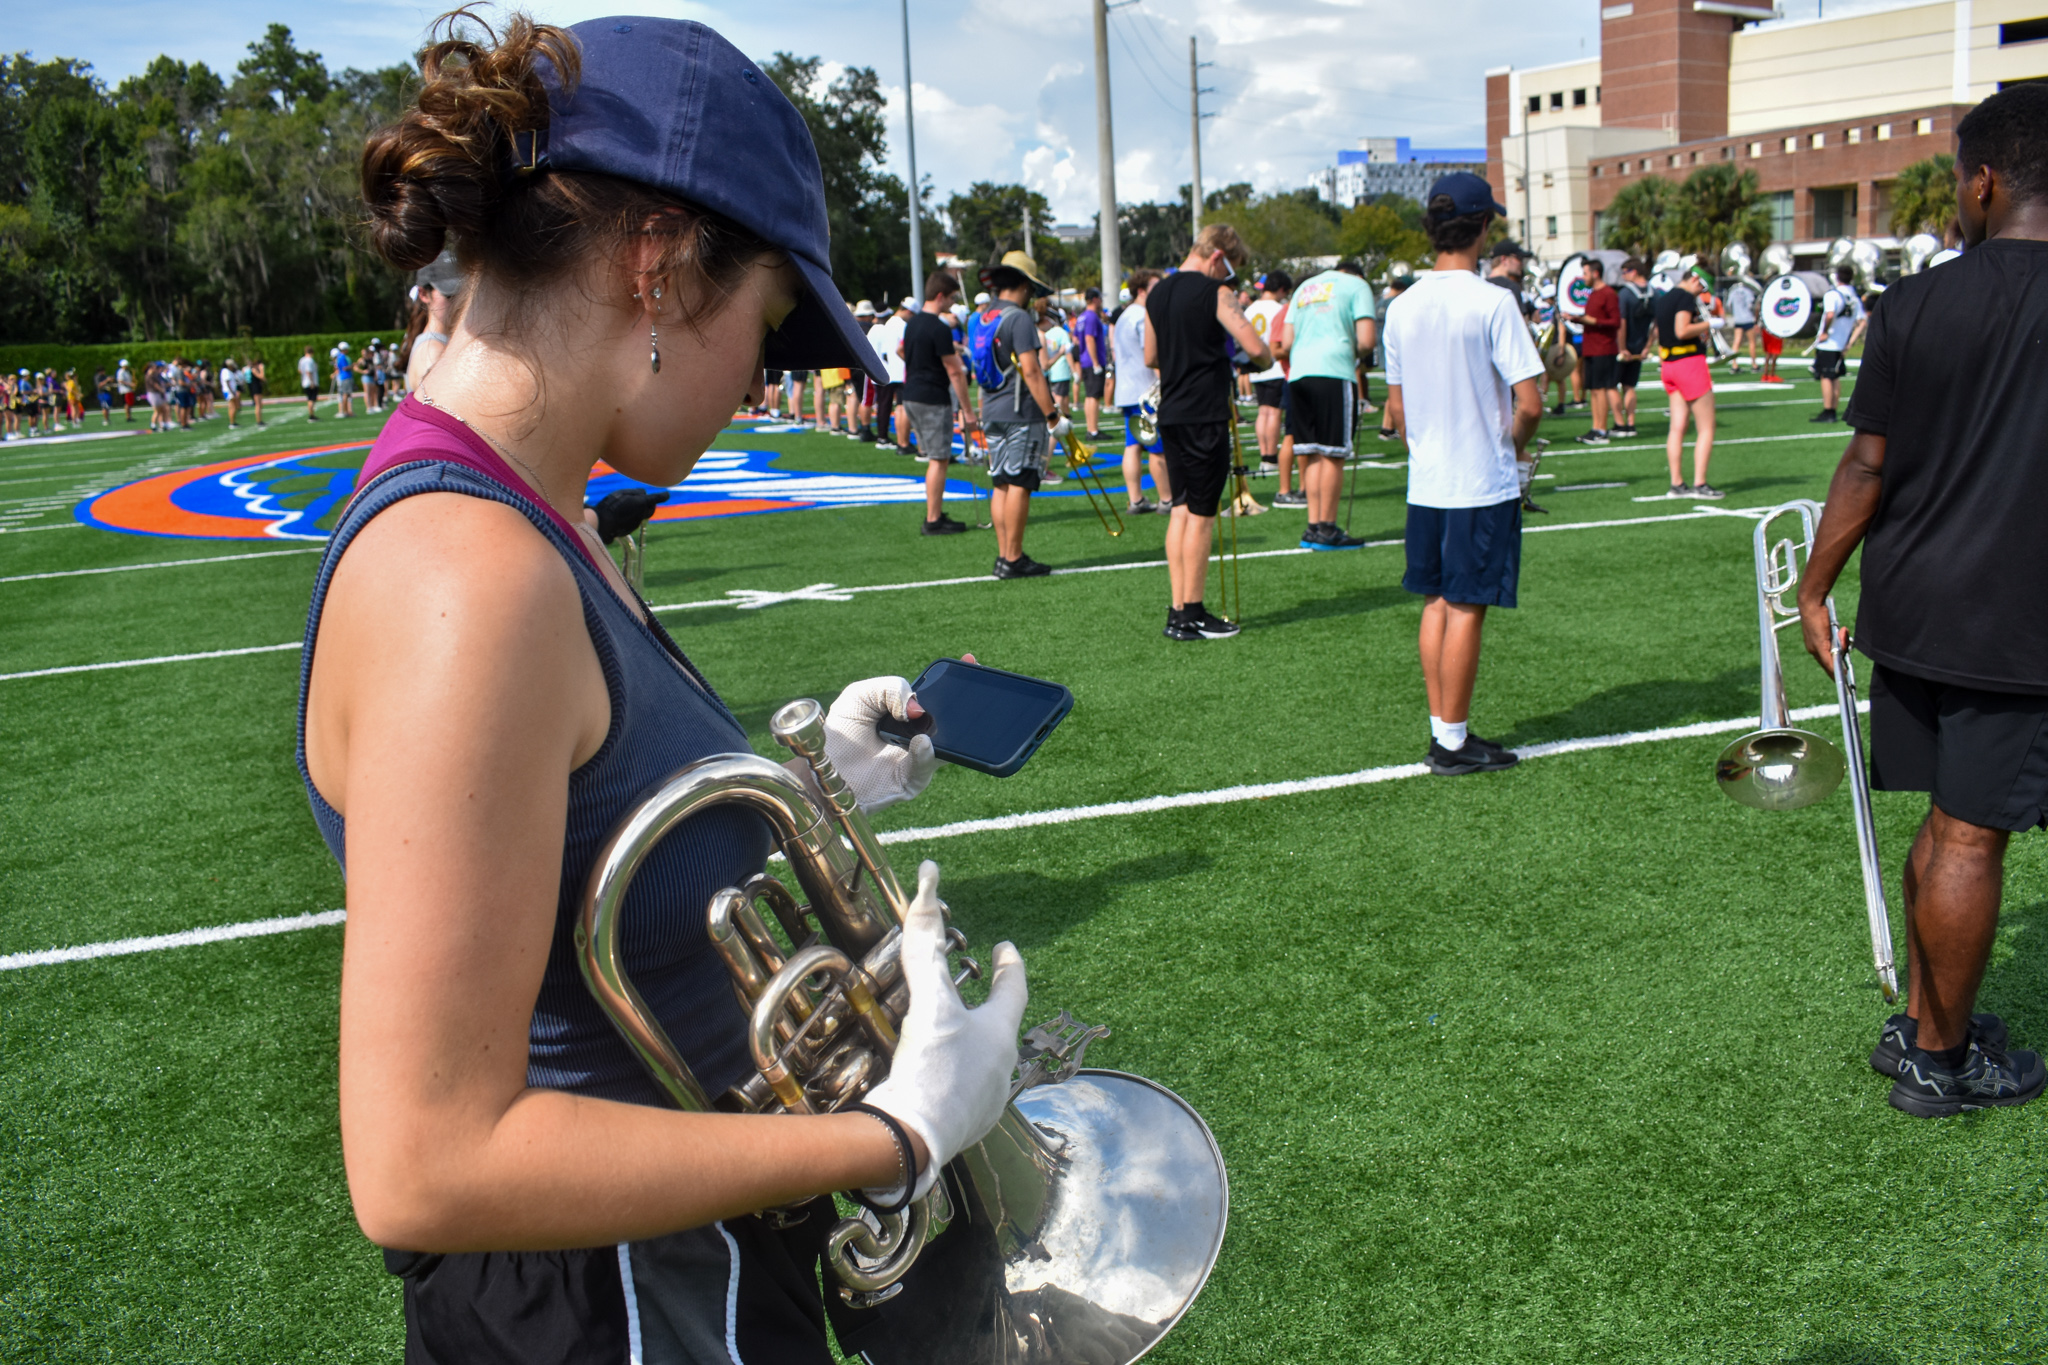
[1450, 734]
[1950, 1059]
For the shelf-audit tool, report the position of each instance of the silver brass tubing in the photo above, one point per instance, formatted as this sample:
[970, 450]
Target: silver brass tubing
[1874, 904]
[800, 728]
[823, 865]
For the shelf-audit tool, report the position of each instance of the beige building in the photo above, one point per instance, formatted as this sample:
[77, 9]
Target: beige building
[1827, 111]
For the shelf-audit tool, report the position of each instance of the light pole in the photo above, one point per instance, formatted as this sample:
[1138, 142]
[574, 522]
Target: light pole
[910, 144]
[1105, 154]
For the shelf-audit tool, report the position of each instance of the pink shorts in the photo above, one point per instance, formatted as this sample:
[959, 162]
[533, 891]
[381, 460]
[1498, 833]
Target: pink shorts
[1688, 378]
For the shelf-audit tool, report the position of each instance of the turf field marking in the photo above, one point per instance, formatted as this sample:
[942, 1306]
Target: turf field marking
[219, 933]
[161, 564]
[1025, 820]
[144, 663]
[61, 526]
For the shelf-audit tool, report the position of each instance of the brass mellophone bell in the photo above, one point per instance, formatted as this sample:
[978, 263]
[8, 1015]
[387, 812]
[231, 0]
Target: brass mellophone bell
[1077, 1231]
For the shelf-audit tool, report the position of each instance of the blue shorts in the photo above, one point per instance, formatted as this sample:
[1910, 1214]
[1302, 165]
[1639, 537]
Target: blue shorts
[1469, 555]
[1131, 432]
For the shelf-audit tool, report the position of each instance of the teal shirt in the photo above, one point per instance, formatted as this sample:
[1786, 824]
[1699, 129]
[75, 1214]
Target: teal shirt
[1324, 313]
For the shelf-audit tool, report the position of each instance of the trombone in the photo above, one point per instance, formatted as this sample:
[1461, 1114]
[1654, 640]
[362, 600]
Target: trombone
[1081, 464]
[1780, 767]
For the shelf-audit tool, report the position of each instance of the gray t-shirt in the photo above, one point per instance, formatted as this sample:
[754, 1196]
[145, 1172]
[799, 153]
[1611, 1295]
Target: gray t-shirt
[1016, 333]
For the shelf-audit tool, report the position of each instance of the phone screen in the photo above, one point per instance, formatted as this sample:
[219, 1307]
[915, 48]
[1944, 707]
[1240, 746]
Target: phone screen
[983, 718]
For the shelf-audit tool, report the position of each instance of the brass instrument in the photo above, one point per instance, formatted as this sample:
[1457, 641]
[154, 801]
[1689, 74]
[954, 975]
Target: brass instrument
[1081, 464]
[1779, 767]
[1092, 1212]
[1147, 421]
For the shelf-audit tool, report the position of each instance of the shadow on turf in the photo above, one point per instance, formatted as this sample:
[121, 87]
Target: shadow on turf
[1643, 706]
[1344, 604]
[2017, 979]
[1029, 905]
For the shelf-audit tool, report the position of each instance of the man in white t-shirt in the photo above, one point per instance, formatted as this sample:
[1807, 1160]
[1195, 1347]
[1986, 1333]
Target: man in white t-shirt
[1463, 389]
[1841, 323]
[1135, 381]
[309, 383]
[1269, 386]
[886, 338]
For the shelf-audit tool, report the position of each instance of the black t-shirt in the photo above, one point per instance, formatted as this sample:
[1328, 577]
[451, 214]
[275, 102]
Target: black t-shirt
[927, 345]
[1637, 314]
[1955, 378]
[1672, 305]
[1194, 367]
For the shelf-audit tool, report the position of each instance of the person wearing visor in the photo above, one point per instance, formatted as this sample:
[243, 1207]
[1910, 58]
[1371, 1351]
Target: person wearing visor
[484, 696]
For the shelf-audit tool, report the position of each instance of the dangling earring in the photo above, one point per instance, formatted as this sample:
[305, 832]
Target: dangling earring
[654, 337]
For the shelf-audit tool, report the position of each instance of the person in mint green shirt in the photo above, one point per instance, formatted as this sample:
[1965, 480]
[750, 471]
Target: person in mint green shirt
[1328, 329]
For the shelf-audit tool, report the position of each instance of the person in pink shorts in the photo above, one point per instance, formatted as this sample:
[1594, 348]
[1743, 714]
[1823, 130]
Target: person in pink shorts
[1682, 328]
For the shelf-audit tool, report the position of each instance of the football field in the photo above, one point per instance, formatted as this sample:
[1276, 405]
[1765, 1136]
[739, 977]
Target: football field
[1564, 1064]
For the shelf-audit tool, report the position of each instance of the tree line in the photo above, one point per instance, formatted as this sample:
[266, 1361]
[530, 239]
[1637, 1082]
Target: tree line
[186, 203]
[1717, 205]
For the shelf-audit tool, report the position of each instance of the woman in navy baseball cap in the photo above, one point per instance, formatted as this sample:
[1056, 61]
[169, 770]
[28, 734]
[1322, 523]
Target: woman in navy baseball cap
[638, 216]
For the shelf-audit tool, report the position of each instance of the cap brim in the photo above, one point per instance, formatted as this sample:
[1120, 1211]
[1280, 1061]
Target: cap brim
[1499, 211]
[822, 333]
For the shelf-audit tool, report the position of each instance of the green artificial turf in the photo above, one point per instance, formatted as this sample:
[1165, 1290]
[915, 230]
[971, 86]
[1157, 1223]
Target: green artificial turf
[1564, 1064]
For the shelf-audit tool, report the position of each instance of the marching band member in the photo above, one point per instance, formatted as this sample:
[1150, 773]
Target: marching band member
[484, 696]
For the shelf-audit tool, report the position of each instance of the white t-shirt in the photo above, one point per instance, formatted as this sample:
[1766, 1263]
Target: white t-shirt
[1059, 344]
[1260, 315]
[1457, 346]
[885, 338]
[1839, 313]
[1134, 379]
[309, 372]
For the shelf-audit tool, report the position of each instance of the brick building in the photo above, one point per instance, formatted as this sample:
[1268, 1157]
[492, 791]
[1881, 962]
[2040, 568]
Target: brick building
[1827, 112]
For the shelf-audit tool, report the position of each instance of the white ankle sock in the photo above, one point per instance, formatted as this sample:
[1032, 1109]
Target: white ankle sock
[1449, 733]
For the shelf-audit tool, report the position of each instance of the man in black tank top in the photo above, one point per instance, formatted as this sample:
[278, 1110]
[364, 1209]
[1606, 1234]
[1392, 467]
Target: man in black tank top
[1187, 317]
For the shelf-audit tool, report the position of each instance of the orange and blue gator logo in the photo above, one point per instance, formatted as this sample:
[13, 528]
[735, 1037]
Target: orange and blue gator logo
[300, 494]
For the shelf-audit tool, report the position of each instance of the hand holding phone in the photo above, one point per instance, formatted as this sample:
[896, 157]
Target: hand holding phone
[983, 718]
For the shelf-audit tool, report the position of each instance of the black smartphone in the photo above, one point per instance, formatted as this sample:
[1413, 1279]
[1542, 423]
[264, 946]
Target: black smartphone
[982, 718]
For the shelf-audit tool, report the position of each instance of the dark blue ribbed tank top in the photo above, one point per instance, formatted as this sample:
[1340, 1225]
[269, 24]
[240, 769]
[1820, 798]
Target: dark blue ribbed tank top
[663, 716]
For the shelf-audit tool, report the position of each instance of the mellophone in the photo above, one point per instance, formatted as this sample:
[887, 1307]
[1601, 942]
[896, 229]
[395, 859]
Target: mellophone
[1780, 767]
[1078, 1230]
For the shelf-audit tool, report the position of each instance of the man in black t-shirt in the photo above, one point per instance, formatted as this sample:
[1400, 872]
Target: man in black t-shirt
[1188, 316]
[1638, 315]
[932, 378]
[1946, 486]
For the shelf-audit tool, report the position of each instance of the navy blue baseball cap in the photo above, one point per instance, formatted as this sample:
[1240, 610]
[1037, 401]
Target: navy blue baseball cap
[1469, 193]
[672, 105]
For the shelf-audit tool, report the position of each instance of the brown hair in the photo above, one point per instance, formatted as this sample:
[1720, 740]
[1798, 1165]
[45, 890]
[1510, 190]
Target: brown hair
[1140, 280]
[445, 169]
[940, 283]
[1223, 237]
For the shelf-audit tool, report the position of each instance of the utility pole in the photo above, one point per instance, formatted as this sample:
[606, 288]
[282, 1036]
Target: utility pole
[1027, 222]
[1195, 133]
[910, 143]
[1105, 155]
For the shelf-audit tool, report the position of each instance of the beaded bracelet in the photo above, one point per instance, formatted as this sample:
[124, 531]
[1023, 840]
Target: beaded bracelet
[906, 1160]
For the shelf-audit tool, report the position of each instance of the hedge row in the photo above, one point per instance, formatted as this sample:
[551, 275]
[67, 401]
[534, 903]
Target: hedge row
[280, 355]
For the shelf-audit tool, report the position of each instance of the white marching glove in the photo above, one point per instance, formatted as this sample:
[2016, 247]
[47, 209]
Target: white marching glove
[879, 773]
[1716, 324]
[1063, 428]
[951, 1074]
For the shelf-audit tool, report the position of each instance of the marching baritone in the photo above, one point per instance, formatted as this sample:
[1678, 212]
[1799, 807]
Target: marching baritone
[484, 696]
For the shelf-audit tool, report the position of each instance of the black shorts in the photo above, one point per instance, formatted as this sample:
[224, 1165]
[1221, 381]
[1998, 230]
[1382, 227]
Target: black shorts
[886, 396]
[692, 1294]
[771, 379]
[1831, 365]
[1468, 555]
[312, 393]
[1600, 371]
[1320, 414]
[1982, 756]
[1628, 373]
[1271, 393]
[1197, 464]
[1091, 383]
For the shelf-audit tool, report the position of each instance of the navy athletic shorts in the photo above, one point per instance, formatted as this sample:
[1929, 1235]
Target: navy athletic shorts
[1469, 555]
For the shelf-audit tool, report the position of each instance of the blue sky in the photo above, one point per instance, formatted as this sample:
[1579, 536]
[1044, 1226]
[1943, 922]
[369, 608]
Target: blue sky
[1004, 88]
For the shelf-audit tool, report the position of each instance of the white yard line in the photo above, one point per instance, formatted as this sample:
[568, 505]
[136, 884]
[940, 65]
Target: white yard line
[144, 663]
[160, 564]
[60, 526]
[1066, 815]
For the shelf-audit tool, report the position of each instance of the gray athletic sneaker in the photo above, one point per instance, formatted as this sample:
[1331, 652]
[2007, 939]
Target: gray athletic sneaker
[1680, 490]
[1708, 491]
[1901, 1032]
[1989, 1076]
[1290, 499]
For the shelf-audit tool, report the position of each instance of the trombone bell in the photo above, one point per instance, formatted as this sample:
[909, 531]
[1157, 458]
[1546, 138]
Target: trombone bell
[1779, 769]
